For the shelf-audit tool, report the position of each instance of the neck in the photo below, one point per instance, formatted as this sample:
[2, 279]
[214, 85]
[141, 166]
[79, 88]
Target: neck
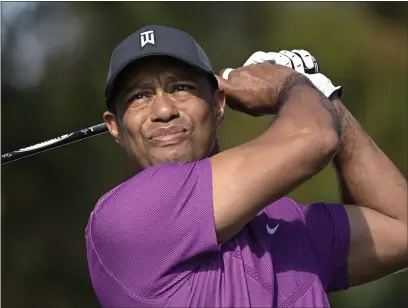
[216, 149]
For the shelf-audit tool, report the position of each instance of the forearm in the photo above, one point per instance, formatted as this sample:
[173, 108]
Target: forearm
[299, 144]
[368, 177]
[304, 138]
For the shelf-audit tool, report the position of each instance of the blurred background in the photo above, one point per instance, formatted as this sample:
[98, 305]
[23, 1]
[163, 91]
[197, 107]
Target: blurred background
[54, 63]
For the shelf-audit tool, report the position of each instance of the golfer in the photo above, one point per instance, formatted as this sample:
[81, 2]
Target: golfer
[196, 227]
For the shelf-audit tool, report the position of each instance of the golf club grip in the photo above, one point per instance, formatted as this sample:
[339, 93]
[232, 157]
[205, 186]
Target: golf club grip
[54, 143]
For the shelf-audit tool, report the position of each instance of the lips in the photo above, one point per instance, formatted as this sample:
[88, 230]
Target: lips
[168, 134]
[165, 131]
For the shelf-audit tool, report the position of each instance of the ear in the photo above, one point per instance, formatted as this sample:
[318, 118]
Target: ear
[219, 108]
[112, 124]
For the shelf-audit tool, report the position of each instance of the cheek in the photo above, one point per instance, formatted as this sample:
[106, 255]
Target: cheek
[131, 126]
[201, 113]
[203, 120]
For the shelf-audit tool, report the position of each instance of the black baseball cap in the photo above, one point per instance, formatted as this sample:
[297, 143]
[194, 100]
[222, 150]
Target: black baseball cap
[154, 40]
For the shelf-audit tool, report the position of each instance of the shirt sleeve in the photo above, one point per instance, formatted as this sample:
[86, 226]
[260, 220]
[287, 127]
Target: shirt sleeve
[329, 232]
[153, 230]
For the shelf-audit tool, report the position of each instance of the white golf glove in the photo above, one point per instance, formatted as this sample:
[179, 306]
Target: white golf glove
[301, 61]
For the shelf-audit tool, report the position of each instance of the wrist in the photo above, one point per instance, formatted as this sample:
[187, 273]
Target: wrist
[293, 86]
[349, 128]
[344, 116]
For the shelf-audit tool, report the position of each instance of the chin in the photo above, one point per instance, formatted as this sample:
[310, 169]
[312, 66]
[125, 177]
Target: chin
[172, 157]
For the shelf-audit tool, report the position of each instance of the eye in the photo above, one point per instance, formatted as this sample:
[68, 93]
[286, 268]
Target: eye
[137, 97]
[182, 87]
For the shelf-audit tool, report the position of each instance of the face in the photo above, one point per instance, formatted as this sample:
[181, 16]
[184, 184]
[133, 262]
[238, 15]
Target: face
[165, 111]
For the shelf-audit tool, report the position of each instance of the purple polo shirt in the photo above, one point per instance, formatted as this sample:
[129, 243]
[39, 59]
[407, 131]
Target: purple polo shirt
[151, 242]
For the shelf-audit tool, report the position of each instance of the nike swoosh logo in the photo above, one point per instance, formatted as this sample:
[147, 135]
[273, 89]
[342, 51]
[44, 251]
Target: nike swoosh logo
[271, 230]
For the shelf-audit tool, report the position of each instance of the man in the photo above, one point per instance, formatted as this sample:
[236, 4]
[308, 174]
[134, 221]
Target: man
[201, 228]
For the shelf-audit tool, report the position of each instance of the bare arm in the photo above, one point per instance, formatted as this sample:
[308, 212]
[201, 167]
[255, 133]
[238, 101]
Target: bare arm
[300, 143]
[379, 221]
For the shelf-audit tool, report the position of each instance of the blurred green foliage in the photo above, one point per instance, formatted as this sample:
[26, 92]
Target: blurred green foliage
[46, 199]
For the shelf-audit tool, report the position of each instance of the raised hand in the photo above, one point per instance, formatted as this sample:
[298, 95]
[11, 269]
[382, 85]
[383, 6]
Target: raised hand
[259, 89]
[301, 61]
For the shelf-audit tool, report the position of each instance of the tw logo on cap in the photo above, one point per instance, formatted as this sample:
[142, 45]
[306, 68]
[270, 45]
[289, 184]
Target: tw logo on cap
[147, 38]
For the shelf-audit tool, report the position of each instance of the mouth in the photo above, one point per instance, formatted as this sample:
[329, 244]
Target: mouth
[168, 135]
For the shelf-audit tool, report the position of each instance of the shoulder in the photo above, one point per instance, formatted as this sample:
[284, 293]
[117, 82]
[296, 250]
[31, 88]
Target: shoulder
[317, 235]
[318, 226]
[168, 186]
[154, 183]
[285, 217]
[286, 209]
[150, 232]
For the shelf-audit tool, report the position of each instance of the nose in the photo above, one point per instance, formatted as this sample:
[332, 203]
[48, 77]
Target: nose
[163, 109]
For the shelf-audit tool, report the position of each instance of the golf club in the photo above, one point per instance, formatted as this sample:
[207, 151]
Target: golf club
[54, 143]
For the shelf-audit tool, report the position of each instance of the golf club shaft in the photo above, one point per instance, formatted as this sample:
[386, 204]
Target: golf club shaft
[54, 143]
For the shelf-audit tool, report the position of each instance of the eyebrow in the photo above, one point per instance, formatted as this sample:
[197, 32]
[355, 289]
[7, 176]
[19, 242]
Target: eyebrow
[137, 84]
[173, 78]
